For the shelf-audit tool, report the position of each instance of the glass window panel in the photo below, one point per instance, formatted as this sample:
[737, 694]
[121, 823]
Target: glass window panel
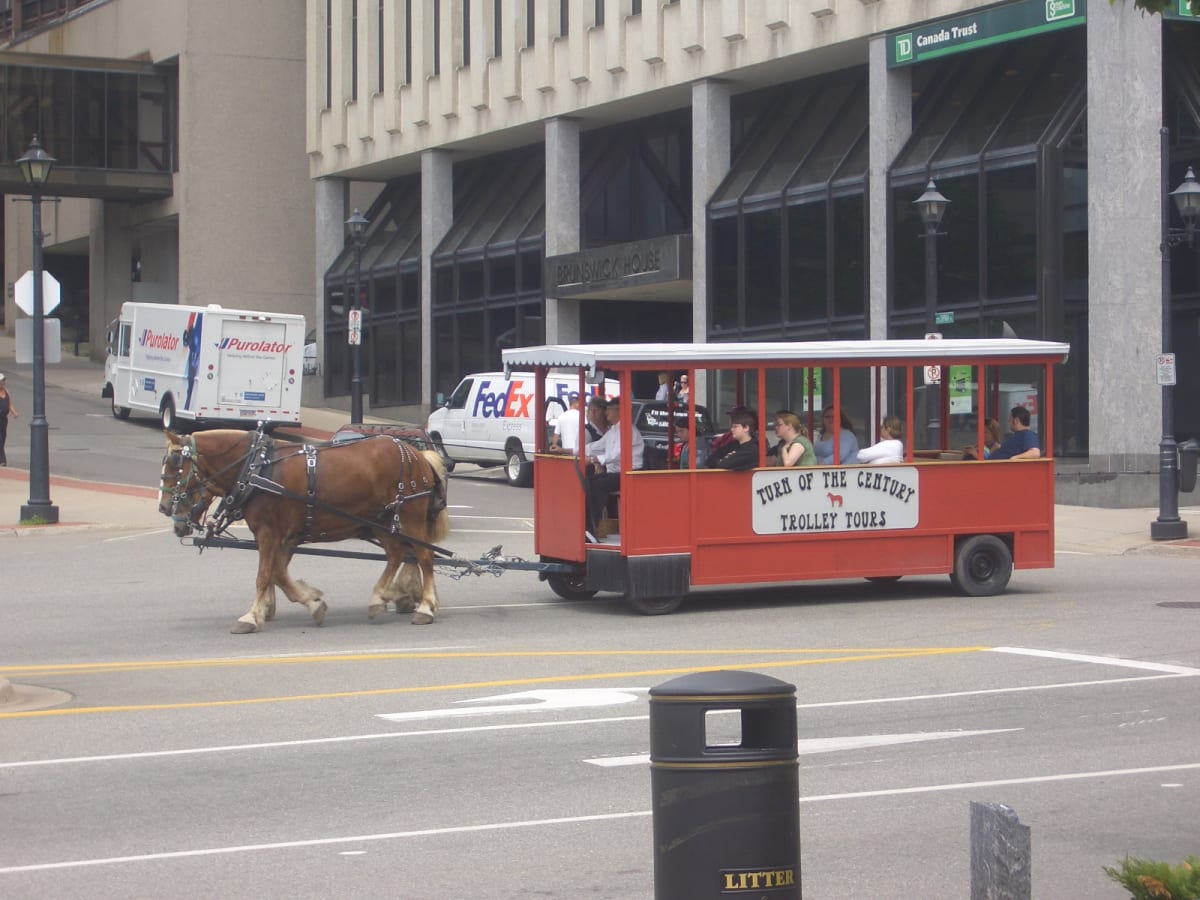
[533, 325]
[836, 137]
[410, 291]
[1075, 233]
[908, 249]
[958, 246]
[384, 291]
[502, 275]
[807, 262]
[724, 301]
[1012, 256]
[777, 122]
[89, 119]
[531, 271]
[410, 363]
[849, 257]
[473, 352]
[950, 90]
[470, 280]
[122, 121]
[502, 331]
[443, 285]
[764, 274]
[384, 381]
[447, 371]
[154, 132]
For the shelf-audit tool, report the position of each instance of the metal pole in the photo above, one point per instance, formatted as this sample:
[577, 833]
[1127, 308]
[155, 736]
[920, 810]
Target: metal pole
[934, 392]
[1168, 526]
[356, 403]
[39, 509]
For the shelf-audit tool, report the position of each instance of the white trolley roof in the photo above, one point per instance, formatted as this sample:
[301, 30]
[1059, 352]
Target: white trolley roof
[996, 351]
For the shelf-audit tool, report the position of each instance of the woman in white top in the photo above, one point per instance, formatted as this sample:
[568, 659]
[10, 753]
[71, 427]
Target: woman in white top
[889, 448]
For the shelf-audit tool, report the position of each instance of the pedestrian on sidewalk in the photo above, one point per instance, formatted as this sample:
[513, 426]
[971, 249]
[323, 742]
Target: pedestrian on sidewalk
[6, 409]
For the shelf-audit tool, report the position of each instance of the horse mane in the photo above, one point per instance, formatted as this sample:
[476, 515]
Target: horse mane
[439, 520]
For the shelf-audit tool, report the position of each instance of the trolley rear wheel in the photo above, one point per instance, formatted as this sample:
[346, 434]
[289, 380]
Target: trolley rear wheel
[983, 565]
[655, 606]
[570, 587]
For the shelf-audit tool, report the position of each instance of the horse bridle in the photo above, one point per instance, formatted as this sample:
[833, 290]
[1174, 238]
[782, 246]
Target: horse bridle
[186, 486]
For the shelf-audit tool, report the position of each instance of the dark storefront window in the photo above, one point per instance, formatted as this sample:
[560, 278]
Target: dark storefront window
[807, 248]
[764, 269]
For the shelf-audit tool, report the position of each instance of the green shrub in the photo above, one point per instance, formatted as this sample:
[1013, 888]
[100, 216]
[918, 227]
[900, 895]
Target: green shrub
[1148, 879]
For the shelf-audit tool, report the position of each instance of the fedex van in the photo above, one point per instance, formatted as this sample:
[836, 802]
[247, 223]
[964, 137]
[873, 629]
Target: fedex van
[489, 419]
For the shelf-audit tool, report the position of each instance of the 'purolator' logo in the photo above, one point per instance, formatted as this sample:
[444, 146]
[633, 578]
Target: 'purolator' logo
[237, 344]
[158, 340]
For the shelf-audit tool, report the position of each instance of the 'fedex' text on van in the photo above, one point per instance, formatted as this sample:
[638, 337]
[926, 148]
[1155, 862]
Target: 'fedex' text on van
[513, 403]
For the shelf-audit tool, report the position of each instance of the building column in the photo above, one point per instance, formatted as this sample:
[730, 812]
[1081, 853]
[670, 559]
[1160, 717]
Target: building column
[710, 164]
[329, 205]
[1124, 100]
[562, 220]
[437, 215]
[110, 268]
[889, 108]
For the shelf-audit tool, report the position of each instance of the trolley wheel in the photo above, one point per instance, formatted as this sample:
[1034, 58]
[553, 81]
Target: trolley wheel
[883, 579]
[570, 587]
[517, 469]
[119, 412]
[167, 414]
[982, 566]
[655, 606]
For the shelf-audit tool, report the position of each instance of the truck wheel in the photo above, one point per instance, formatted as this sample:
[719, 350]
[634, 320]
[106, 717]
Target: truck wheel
[167, 414]
[517, 469]
[119, 412]
[655, 606]
[570, 587]
[982, 566]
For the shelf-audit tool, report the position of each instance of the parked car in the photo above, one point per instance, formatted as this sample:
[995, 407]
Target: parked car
[416, 435]
[651, 419]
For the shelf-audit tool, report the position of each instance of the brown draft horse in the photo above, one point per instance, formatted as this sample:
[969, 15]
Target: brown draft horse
[383, 481]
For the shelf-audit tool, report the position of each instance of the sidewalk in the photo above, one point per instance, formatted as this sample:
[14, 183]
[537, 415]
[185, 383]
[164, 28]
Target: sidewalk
[85, 505]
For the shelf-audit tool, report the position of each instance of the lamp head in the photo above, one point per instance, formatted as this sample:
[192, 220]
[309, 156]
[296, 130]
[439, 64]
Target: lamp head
[931, 206]
[36, 164]
[1187, 198]
[357, 225]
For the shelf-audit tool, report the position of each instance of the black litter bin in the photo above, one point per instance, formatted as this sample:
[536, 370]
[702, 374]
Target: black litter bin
[726, 815]
[1189, 452]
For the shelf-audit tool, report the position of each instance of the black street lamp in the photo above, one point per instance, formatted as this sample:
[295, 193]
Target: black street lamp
[356, 225]
[931, 206]
[35, 168]
[1168, 526]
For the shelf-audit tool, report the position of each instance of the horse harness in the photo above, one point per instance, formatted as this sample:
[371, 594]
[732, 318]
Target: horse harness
[261, 454]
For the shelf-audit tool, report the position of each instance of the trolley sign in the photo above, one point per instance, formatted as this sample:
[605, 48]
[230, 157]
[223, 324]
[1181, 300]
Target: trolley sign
[354, 334]
[1165, 369]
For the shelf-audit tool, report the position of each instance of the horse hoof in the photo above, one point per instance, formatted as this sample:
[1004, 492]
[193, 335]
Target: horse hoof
[241, 627]
[422, 619]
[375, 609]
[319, 613]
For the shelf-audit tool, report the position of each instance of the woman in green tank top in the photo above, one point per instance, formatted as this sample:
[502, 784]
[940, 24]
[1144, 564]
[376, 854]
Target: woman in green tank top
[795, 449]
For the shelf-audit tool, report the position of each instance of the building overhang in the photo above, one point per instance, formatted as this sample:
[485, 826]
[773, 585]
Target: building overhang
[652, 269]
[95, 184]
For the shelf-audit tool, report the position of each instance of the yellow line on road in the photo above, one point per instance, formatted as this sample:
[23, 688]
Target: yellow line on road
[153, 665]
[871, 656]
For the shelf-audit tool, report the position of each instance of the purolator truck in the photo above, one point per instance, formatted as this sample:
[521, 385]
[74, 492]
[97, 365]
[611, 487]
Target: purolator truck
[204, 364]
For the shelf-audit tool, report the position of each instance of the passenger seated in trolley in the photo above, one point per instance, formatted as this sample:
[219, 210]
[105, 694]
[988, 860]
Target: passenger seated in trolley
[848, 442]
[604, 465]
[742, 453]
[889, 448]
[794, 447]
[1022, 443]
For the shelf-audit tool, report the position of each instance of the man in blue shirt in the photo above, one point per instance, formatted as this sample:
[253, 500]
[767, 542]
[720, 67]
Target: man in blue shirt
[1023, 442]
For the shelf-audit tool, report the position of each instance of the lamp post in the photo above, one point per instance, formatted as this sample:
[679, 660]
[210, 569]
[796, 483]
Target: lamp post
[931, 206]
[35, 168]
[1168, 526]
[356, 225]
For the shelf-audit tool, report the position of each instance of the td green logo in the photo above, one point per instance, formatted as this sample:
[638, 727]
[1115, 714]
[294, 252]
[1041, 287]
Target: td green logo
[904, 46]
[1059, 9]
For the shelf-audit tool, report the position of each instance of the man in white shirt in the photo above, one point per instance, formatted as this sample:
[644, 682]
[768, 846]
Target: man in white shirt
[604, 458]
[566, 429]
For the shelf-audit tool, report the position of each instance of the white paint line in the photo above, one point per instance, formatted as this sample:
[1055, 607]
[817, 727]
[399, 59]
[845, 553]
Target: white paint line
[810, 746]
[134, 537]
[565, 820]
[308, 742]
[1100, 660]
[536, 701]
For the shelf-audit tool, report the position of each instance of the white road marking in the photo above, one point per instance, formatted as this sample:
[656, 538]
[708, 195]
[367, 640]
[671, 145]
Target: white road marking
[1100, 660]
[826, 745]
[568, 820]
[134, 537]
[524, 701]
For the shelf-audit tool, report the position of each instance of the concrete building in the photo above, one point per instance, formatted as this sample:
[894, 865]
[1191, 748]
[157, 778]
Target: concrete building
[178, 126]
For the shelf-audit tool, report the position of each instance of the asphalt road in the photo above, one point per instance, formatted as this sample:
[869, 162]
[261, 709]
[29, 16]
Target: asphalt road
[501, 752]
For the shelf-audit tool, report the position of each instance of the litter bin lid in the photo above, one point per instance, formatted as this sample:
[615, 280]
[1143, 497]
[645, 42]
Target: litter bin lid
[724, 682]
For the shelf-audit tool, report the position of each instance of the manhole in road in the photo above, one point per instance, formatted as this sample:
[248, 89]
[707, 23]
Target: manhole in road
[1180, 604]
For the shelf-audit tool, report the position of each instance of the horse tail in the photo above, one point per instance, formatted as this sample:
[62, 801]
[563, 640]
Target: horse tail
[438, 517]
